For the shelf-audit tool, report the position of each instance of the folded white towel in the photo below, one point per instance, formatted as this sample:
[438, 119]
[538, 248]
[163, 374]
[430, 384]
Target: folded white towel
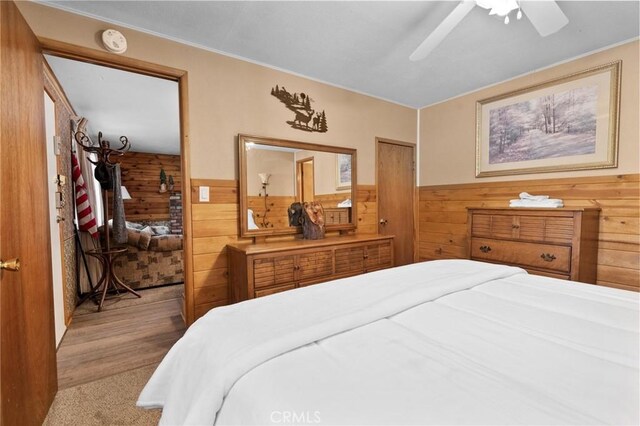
[551, 203]
[547, 201]
[527, 196]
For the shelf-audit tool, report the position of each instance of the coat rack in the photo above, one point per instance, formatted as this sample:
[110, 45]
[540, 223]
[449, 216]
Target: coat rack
[103, 173]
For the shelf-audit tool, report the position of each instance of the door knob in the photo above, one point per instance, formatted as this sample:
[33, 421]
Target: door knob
[10, 265]
[383, 221]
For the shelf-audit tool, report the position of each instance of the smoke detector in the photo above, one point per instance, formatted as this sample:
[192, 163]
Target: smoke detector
[114, 41]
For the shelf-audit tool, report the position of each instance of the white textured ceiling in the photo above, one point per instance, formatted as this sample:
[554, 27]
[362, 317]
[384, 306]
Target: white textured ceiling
[365, 46]
[120, 103]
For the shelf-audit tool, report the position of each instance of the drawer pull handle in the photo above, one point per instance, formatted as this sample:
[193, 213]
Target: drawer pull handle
[485, 249]
[547, 257]
[515, 226]
[365, 256]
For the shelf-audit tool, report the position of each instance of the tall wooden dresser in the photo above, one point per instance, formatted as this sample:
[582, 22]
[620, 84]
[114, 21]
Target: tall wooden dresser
[560, 243]
[257, 270]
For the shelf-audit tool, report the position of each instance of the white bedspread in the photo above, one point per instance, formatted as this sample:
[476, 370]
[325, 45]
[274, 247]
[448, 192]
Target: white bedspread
[410, 346]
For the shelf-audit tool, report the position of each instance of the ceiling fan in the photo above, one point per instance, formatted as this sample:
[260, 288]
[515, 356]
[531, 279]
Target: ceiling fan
[545, 15]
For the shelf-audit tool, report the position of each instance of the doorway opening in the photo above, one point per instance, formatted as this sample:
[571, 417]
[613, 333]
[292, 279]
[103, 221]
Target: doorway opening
[126, 332]
[305, 180]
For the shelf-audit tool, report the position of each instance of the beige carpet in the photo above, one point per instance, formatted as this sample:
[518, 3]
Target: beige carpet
[109, 401]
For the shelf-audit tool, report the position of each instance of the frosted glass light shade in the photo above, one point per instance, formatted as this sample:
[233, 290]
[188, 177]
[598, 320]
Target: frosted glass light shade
[264, 178]
[125, 194]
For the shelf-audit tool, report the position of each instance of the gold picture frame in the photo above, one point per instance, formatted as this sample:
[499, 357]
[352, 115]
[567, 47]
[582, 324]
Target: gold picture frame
[569, 123]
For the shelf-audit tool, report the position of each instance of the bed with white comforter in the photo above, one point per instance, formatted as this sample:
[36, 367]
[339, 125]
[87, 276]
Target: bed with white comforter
[443, 342]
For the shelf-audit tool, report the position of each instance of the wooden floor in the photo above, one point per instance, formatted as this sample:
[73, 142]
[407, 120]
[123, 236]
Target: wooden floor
[129, 333]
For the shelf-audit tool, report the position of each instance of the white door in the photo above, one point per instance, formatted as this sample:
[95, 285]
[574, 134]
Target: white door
[56, 246]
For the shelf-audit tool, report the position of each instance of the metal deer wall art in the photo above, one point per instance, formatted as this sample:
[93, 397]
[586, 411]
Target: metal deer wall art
[306, 118]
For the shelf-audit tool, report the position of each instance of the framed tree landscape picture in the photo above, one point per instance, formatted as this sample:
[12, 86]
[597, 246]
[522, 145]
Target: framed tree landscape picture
[343, 171]
[570, 123]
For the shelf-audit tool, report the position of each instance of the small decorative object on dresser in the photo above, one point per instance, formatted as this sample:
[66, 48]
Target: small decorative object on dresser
[313, 223]
[295, 214]
[560, 243]
[257, 270]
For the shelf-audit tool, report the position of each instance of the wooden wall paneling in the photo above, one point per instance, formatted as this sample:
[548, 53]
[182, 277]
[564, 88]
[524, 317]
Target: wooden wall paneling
[278, 209]
[141, 176]
[214, 228]
[215, 224]
[443, 228]
[332, 200]
[223, 191]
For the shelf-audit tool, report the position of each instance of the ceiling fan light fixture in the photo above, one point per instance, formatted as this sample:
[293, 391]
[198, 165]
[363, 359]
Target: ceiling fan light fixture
[498, 7]
[545, 16]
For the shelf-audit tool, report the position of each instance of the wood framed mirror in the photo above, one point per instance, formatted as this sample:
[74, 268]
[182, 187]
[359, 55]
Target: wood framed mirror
[274, 173]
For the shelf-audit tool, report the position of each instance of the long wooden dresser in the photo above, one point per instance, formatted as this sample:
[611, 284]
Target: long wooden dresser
[257, 270]
[560, 243]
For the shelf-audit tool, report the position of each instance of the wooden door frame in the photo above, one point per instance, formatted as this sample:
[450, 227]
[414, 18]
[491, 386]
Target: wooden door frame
[97, 57]
[48, 74]
[414, 192]
[299, 174]
[58, 92]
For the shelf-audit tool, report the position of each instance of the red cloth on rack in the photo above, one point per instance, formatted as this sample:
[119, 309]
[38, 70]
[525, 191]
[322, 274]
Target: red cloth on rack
[86, 218]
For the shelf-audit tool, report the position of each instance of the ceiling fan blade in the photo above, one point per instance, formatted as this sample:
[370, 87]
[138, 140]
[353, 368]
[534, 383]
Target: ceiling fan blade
[546, 16]
[441, 31]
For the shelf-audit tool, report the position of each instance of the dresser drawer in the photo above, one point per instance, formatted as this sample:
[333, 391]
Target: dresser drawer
[560, 243]
[315, 264]
[524, 228]
[378, 256]
[272, 271]
[350, 260]
[544, 256]
[261, 269]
